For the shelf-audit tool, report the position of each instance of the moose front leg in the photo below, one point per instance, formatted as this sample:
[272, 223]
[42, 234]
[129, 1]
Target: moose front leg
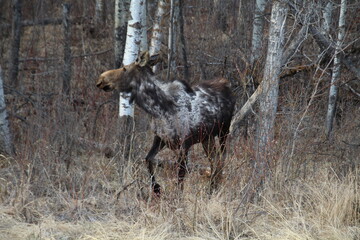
[182, 164]
[157, 145]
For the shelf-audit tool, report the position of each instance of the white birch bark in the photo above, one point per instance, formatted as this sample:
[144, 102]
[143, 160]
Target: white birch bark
[269, 95]
[336, 71]
[157, 34]
[6, 144]
[257, 33]
[132, 47]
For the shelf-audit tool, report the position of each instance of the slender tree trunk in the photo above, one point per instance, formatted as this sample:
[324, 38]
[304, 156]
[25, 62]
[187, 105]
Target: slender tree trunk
[294, 45]
[132, 47]
[174, 17]
[269, 96]
[99, 13]
[67, 49]
[120, 30]
[326, 19]
[336, 71]
[157, 34]
[182, 40]
[6, 144]
[258, 27]
[220, 14]
[15, 43]
[144, 46]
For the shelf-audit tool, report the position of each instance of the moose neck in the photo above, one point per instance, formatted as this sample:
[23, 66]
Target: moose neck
[150, 97]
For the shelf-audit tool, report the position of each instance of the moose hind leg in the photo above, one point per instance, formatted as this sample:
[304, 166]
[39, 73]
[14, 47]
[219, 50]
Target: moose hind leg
[157, 146]
[216, 162]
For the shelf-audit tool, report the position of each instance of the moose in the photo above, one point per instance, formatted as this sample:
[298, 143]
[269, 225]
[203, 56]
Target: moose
[182, 115]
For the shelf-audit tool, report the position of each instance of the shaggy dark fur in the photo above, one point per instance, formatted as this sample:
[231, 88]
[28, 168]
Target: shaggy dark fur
[182, 115]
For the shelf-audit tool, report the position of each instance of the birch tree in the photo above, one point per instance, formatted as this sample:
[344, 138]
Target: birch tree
[157, 33]
[6, 144]
[269, 97]
[336, 71]
[258, 28]
[326, 18]
[132, 47]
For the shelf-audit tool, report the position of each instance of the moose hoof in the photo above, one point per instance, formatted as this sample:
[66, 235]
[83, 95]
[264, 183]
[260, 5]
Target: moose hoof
[157, 189]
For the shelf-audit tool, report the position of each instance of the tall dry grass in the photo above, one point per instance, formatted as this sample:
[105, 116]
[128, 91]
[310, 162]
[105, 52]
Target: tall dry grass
[44, 197]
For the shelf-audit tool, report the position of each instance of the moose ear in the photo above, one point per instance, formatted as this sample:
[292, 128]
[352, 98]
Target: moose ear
[143, 59]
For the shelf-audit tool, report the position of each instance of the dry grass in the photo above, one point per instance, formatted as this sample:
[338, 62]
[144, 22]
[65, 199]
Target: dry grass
[61, 186]
[83, 204]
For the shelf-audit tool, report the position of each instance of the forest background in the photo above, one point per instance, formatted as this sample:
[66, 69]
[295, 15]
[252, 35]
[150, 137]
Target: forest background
[71, 169]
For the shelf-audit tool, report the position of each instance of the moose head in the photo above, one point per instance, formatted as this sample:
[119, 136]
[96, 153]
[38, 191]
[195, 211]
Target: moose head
[120, 79]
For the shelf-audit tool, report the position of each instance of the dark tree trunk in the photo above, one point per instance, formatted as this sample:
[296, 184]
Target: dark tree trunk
[67, 50]
[121, 10]
[182, 40]
[15, 43]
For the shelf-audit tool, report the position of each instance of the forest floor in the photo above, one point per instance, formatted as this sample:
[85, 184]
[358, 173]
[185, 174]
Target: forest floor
[89, 202]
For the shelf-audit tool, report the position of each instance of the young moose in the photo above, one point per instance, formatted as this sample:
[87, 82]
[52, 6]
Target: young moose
[181, 115]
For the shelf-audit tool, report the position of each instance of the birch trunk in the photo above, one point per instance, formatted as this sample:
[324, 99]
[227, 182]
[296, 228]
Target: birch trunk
[157, 34]
[120, 30]
[287, 54]
[6, 144]
[336, 71]
[144, 46]
[67, 50]
[132, 47]
[257, 34]
[269, 96]
[15, 42]
[326, 19]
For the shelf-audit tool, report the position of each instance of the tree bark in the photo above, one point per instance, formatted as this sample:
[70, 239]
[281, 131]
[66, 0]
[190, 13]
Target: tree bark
[99, 12]
[67, 50]
[258, 29]
[182, 40]
[326, 18]
[269, 96]
[144, 46]
[6, 144]
[174, 17]
[132, 47]
[336, 71]
[120, 31]
[15, 43]
[157, 34]
[220, 14]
